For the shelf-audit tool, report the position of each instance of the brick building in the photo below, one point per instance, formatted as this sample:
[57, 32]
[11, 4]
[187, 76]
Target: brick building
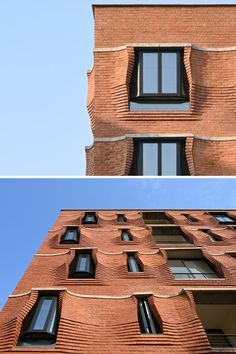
[128, 282]
[161, 93]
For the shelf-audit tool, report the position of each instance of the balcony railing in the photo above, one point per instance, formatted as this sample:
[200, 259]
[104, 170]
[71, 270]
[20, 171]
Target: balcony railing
[222, 340]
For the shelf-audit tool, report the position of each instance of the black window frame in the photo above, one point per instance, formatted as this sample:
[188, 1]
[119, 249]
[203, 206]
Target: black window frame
[46, 337]
[190, 218]
[90, 269]
[222, 214]
[64, 240]
[176, 231]
[148, 323]
[136, 87]
[94, 221]
[181, 161]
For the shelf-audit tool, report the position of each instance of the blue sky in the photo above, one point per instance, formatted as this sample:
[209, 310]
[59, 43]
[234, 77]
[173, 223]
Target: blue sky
[46, 49]
[29, 207]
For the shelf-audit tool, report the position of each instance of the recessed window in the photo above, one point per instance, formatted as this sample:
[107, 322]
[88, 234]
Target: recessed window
[125, 235]
[121, 218]
[190, 218]
[147, 321]
[211, 236]
[159, 77]
[71, 236]
[191, 269]
[82, 265]
[90, 218]
[39, 328]
[168, 235]
[223, 218]
[133, 265]
[152, 217]
[159, 158]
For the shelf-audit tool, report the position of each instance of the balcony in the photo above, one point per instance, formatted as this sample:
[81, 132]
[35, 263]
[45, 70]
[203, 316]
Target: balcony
[217, 312]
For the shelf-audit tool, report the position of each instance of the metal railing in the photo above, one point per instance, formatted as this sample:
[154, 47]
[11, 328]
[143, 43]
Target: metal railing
[222, 340]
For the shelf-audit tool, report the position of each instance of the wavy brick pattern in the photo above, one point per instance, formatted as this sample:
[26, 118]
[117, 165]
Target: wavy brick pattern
[90, 98]
[90, 323]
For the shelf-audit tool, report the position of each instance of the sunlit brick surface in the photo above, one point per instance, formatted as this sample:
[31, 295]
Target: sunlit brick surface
[100, 314]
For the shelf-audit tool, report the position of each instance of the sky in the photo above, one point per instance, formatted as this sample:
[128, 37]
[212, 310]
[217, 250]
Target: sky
[46, 49]
[29, 208]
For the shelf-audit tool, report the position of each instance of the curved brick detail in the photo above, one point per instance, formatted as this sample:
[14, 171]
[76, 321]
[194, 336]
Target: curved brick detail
[90, 98]
[112, 158]
[189, 155]
[214, 157]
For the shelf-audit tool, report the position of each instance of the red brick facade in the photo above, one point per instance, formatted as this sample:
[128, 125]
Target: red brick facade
[207, 34]
[100, 314]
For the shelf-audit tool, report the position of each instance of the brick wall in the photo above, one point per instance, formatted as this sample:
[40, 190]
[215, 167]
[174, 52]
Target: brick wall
[100, 314]
[209, 63]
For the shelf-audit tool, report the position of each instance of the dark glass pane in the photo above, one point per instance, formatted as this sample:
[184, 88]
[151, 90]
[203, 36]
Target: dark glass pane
[71, 236]
[169, 159]
[121, 218]
[133, 265]
[43, 314]
[82, 266]
[150, 73]
[125, 236]
[169, 73]
[147, 321]
[150, 159]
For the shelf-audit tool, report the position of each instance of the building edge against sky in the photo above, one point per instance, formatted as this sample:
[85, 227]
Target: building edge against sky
[177, 118]
[135, 280]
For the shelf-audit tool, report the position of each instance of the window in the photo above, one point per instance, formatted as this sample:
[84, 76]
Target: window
[147, 321]
[132, 264]
[159, 80]
[152, 217]
[223, 218]
[159, 158]
[121, 218]
[71, 236]
[169, 235]
[125, 236]
[192, 269]
[39, 328]
[211, 236]
[190, 218]
[90, 218]
[82, 265]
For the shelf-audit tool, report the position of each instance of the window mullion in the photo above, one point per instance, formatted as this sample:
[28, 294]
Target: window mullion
[159, 73]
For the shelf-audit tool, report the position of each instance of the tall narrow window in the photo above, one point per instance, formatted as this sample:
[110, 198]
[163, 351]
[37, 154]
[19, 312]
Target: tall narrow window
[147, 321]
[71, 236]
[159, 158]
[133, 265]
[39, 328]
[82, 266]
[121, 218]
[125, 235]
[89, 218]
[223, 218]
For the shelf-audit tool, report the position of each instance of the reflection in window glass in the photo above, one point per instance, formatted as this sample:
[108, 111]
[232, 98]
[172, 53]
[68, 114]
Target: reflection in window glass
[43, 314]
[150, 81]
[169, 161]
[150, 159]
[169, 72]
